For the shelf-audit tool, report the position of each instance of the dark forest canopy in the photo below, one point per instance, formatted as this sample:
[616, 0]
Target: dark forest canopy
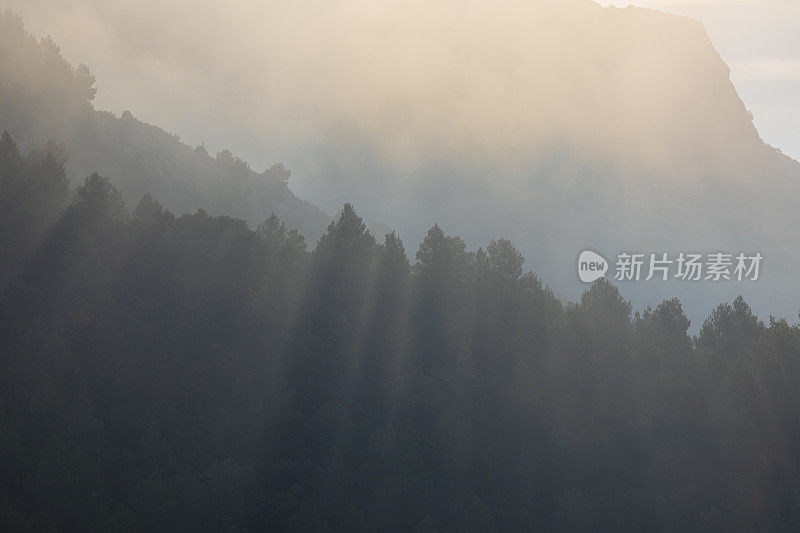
[169, 373]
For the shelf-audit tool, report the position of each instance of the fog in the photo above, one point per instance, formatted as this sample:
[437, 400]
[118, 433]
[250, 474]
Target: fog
[560, 125]
[411, 79]
[187, 342]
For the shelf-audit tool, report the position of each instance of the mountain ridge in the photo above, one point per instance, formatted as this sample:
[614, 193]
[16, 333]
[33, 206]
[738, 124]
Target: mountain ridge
[42, 97]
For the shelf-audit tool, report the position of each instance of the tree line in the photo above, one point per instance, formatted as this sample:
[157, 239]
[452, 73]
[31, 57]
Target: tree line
[171, 373]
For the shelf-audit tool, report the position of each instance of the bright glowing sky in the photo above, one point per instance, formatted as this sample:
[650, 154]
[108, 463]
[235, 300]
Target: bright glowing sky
[760, 41]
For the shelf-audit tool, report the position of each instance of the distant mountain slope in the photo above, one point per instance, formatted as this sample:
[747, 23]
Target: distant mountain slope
[576, 127]
[42, 96]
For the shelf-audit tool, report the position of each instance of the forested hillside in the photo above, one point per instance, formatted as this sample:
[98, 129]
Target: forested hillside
[43, 97]
[187, 373]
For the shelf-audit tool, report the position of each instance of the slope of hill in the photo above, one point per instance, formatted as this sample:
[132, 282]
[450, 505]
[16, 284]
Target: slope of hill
[42, 96]
[174, 373]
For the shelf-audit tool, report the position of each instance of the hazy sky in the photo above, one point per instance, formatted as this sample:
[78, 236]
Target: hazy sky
[195, 74]
[760, 41]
